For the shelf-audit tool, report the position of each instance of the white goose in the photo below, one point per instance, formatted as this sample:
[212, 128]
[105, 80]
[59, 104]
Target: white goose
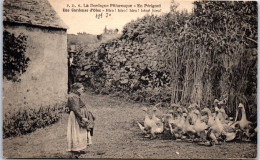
[174, 123]
[217, 129]
[188, 128]
[211, 120]
[244, 124]
[146, 128]
[154, 118]
[157, 125]
[199, 126]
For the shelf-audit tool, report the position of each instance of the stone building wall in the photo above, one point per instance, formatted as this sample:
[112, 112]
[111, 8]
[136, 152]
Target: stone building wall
[45, 81]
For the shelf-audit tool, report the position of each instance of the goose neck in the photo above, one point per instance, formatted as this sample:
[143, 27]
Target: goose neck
[243, 114]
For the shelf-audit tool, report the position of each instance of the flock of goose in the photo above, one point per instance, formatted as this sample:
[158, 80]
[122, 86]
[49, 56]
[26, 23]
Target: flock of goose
[196, 124]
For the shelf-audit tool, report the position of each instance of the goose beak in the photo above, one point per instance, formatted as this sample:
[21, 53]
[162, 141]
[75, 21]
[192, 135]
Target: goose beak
[240, 105]
[216, 101]
[179, 110]
[197, 112]
[220, 103]
[204, 110]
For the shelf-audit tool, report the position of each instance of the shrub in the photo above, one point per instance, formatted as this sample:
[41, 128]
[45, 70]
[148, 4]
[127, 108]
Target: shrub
[27, 120]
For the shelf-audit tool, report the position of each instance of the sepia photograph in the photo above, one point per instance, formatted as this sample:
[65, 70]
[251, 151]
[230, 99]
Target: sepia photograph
[129, 79]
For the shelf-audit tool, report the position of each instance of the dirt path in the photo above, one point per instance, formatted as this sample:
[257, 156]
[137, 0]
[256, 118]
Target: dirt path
[116, 135]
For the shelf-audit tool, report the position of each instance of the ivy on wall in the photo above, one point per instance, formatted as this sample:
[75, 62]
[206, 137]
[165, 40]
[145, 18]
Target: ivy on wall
[15, 62]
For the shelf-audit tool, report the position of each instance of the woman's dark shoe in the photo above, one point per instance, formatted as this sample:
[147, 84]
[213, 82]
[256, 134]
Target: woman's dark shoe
[75, 154]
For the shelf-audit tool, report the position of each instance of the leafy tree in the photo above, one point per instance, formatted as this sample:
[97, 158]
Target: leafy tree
[105, 30]
[174, 5]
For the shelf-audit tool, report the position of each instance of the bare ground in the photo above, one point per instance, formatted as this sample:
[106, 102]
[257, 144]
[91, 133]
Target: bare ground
[116, 135]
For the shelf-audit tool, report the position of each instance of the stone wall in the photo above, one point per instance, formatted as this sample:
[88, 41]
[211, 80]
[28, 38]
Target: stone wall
[45, 81]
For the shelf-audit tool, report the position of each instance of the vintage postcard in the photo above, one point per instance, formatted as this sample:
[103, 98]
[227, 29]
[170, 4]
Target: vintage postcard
[131, 79]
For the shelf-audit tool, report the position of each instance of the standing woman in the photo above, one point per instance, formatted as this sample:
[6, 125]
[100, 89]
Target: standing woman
[76, 135]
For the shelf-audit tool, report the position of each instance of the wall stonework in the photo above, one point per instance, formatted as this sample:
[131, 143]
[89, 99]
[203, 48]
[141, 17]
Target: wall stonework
[45, 81]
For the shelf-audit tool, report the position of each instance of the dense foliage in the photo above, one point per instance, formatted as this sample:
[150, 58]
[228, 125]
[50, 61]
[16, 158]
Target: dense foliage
[221, 41]
[14, 60]
[183, 57]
